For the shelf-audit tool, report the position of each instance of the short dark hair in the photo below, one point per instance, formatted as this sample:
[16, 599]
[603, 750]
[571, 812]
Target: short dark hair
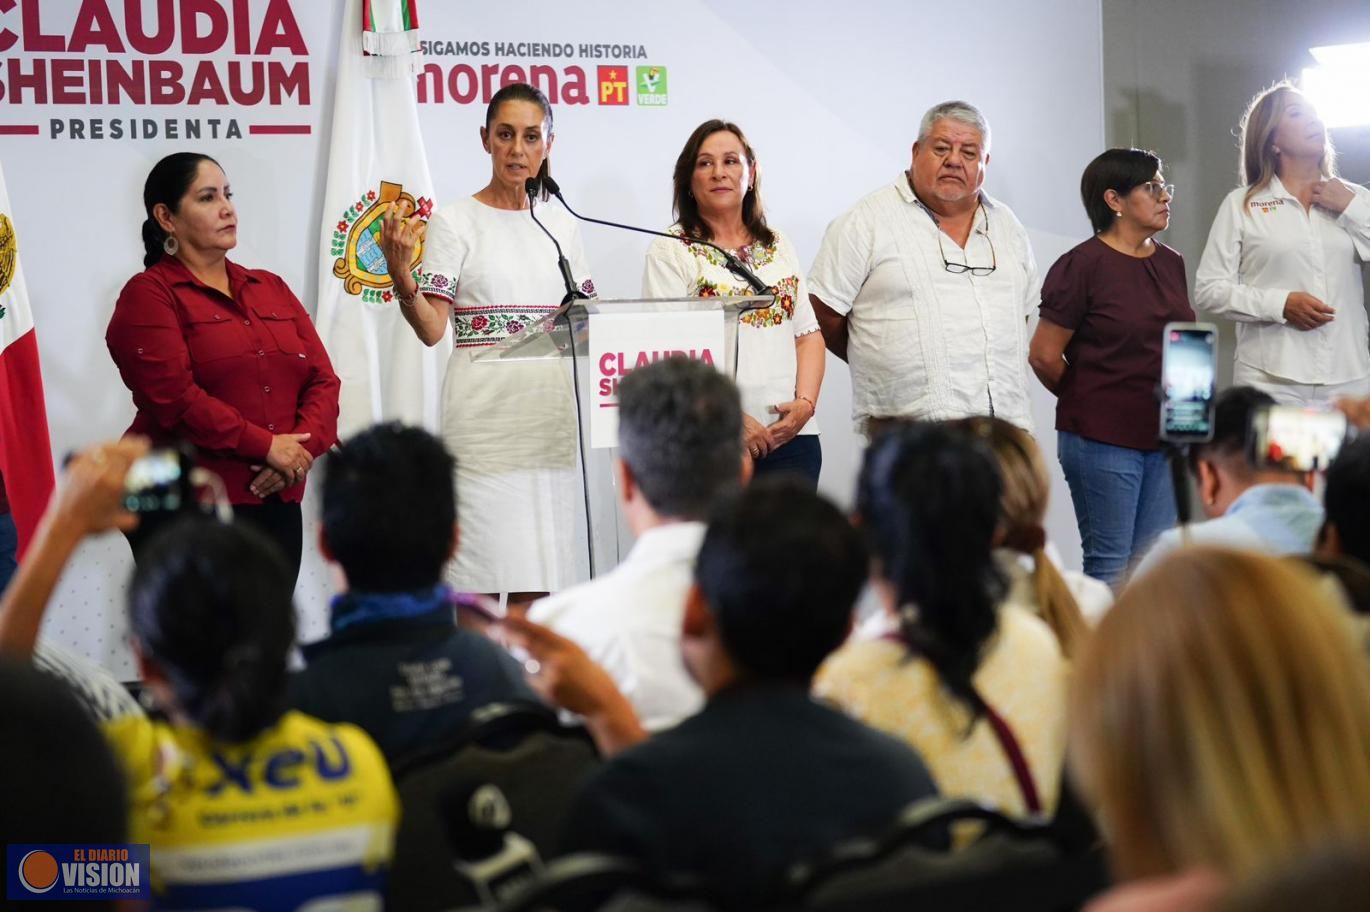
[680, 432]
[1119, 170]
[780, 568]
[928, 502]
[1233, 410]
[61, 780]
[686, 207]
[1346, 498]
[166, 183]
[210, 604]
[389, 508]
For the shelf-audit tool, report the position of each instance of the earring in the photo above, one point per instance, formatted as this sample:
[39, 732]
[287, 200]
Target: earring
[171, 245]
[1117, 213]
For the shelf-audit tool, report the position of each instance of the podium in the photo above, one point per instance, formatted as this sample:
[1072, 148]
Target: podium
[590, 345]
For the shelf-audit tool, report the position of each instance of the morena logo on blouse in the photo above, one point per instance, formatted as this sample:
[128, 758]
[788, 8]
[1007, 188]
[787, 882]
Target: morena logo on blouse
[77, 871]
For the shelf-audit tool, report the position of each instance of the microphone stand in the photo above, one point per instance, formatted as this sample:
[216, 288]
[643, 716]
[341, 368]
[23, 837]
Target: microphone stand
[733, 263]
[563, 312]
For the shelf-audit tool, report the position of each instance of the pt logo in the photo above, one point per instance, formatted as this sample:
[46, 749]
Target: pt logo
[356, 241]
[613, 85]
[651, 86]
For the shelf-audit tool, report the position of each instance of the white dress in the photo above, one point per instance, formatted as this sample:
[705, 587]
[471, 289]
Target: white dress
[510, 425]
[766, 360]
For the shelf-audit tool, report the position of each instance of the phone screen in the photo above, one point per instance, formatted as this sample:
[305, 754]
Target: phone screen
[154, 483]
[1188, 381]
[1296, 439]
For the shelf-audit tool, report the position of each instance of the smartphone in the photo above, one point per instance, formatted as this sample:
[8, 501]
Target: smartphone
[1296, 439]
[1189, 353]
[159, 482]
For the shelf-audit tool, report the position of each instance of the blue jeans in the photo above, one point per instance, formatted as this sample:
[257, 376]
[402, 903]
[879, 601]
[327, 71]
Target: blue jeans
[1123, 499]
[801, 459]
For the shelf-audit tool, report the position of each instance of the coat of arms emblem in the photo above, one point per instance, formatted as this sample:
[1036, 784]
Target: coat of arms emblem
[356, 241]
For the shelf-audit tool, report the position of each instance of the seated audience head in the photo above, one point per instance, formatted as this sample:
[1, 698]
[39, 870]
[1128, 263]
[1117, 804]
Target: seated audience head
[389, 513]
[1221, 717]
[1346, 498]
[774, 587]
[1023, 510]
[212, 622]
[950, 157]
[928, 500]
[1222, 467]
[679, 439]
[1117, 190]
[718, 157]
[62, 781]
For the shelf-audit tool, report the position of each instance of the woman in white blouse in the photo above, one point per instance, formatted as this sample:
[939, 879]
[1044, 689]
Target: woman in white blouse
[780, 357]
[1284, 258]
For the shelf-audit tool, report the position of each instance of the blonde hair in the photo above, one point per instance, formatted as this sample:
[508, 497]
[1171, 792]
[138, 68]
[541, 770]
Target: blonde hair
[1023, 509]
[1220, 717]
[1259, 163]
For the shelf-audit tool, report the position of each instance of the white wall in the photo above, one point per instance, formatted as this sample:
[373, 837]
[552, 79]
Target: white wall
[830, 96]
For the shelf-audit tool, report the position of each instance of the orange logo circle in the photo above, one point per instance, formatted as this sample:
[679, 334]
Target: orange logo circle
[38, 871]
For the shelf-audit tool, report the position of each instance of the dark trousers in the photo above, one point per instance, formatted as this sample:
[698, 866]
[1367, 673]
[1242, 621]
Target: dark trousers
[279, 521]
[801, 458]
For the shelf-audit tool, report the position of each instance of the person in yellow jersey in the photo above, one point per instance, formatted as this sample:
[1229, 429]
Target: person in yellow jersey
[244, 804]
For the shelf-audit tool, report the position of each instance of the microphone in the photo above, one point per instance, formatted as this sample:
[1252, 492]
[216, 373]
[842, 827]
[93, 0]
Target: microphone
[495, 861]
[533, 188]
[734, 264]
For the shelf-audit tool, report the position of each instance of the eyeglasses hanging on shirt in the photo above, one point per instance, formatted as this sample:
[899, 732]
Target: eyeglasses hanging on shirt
[963, 268]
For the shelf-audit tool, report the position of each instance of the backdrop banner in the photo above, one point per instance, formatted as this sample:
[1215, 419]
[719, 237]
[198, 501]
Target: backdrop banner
[94, 92]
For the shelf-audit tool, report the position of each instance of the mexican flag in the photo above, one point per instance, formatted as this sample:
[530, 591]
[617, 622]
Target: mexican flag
[376, 157]
[25, 451]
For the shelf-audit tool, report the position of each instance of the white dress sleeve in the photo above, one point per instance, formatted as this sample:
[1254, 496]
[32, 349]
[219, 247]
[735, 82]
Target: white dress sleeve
[804, 321]
[580, 263]
[669, 271]
[1218, 289]
[444, 252]
[1355, 219]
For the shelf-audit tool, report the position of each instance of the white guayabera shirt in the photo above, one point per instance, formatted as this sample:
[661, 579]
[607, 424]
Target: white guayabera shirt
[925, 342]
[1258, 251]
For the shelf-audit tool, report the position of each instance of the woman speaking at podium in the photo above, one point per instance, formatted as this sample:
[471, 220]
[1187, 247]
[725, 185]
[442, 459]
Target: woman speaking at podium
[489, 268]
[780, 357]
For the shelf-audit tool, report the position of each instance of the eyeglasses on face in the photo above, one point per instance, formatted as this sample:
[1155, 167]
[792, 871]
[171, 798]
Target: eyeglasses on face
[1156, 189]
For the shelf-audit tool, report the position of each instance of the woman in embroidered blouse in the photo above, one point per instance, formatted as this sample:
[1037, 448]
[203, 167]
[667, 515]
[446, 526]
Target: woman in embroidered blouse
[489, 269]
[976, 686]
[780, 357]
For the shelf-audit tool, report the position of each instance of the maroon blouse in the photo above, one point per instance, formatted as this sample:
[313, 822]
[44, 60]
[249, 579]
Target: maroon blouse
[1118, 306]
[225, 373]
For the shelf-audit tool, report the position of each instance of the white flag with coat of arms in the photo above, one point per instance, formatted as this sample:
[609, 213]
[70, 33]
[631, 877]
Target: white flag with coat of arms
[376, 157]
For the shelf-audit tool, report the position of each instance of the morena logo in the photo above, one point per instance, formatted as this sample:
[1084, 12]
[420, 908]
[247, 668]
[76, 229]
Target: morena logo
[38, 871]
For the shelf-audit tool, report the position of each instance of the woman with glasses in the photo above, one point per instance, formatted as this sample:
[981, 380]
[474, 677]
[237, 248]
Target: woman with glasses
[1284, 259]
[1105, 304]
[780, 357]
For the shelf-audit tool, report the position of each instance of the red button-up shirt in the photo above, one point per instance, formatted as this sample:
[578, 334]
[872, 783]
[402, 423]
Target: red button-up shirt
[225, 373]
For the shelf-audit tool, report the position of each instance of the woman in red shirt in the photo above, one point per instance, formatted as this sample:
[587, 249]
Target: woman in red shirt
[221, 356]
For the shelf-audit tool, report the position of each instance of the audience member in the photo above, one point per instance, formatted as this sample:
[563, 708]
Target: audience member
[1248, 506]
[978, 688]
[237, 797]
[1220, 719]
[1065, 599]
[395, 662]
[1346, 529]
[925, 285]
[680, 450]
[764, 775]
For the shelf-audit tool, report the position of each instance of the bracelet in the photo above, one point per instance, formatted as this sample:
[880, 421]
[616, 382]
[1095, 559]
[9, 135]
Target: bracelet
[811, 403]
[406, 300]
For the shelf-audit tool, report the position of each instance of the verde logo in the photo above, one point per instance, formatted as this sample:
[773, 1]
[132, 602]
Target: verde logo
[651, 85]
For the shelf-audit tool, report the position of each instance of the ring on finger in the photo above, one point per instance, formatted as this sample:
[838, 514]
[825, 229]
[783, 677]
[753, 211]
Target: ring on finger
[532, 666]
